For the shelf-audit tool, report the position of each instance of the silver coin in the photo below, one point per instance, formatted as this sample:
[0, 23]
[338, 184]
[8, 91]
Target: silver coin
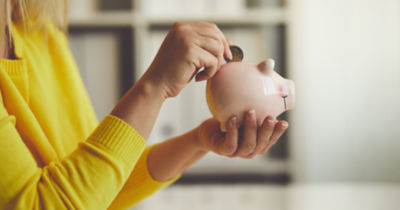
[237, 54]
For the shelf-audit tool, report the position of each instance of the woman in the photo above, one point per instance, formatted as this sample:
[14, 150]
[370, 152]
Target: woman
[55, 155]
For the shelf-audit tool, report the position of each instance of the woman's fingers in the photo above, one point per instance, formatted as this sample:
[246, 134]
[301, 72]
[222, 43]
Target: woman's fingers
[214, 46]
[264, 135]
[230, 143]
[212, 30]
[249, 138]
[253, 140]
[279, 129]
[188, 48]
[212, 40]
[209, 62]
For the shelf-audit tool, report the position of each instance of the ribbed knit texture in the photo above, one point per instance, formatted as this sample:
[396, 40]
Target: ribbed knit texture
[14, 67]
[112, 128]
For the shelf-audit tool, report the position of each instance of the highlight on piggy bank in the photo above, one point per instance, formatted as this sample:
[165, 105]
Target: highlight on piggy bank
[238, 87]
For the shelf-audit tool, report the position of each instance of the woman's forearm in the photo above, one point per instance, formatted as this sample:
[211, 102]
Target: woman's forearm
[140, 106]
[172, 157]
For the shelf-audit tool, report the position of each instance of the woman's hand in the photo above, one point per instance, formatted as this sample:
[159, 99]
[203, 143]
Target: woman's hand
[172, 157]
[188, 47]
[247, 141]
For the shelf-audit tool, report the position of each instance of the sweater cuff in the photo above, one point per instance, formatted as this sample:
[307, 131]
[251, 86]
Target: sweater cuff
[119, 138]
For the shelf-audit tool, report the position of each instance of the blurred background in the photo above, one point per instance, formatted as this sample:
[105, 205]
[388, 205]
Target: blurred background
[342, 147]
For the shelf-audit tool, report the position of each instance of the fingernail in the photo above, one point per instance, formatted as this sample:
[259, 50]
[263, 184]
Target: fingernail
[198, 78]
[284, 124]
[230, 56]
[233, 122]
[251, 115]
[270, 120]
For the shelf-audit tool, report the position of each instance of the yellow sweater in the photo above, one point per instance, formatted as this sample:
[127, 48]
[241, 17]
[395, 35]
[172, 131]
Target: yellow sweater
[53, 152]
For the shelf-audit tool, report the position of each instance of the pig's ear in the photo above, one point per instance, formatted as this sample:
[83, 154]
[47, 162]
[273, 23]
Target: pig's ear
[266, 66]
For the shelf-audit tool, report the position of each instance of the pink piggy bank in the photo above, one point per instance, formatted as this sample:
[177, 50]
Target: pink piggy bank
[238, 87]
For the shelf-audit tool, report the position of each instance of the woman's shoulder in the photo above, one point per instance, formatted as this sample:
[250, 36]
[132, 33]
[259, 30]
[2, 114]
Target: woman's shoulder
[41, 35]
[43, 29]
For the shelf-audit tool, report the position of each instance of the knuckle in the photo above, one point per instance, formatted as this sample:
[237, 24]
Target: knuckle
[263, 146]
[178, 24]
[251, 156]
[274, 139]
[182, 34]
[258, 149]
[229, 149]
[265, 150]
[209, 24]
[209, 73]
[247, 149]
[214, 61]
[231, 156]
[265, 131]
[214, 26]
[206, 73]
[250, 148]
[190, 52]
[221, 46]
[217, 44]
[186, 41]
[251, 123]
[173, 91]
[262, 139]
[246, 155]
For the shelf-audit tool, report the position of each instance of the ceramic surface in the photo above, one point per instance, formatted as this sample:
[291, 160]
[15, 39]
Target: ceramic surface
[238, 87]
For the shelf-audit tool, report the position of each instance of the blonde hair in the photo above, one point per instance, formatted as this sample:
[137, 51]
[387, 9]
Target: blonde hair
[37, 11]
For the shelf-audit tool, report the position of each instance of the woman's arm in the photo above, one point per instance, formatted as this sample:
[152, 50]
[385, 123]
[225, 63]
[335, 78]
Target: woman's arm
[161, 164]
[92, 175]
[139, 107]
[171, 158]
[188, 47]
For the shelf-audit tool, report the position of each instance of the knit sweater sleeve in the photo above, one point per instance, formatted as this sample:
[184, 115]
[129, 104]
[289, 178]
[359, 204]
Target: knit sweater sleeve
[89, 178]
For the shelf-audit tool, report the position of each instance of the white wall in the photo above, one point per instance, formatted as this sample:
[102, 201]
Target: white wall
[345, 59]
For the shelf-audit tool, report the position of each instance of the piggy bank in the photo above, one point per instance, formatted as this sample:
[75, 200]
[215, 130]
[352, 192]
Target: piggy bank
[238, 87]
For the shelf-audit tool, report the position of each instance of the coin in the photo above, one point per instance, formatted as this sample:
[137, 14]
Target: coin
[237, 54]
